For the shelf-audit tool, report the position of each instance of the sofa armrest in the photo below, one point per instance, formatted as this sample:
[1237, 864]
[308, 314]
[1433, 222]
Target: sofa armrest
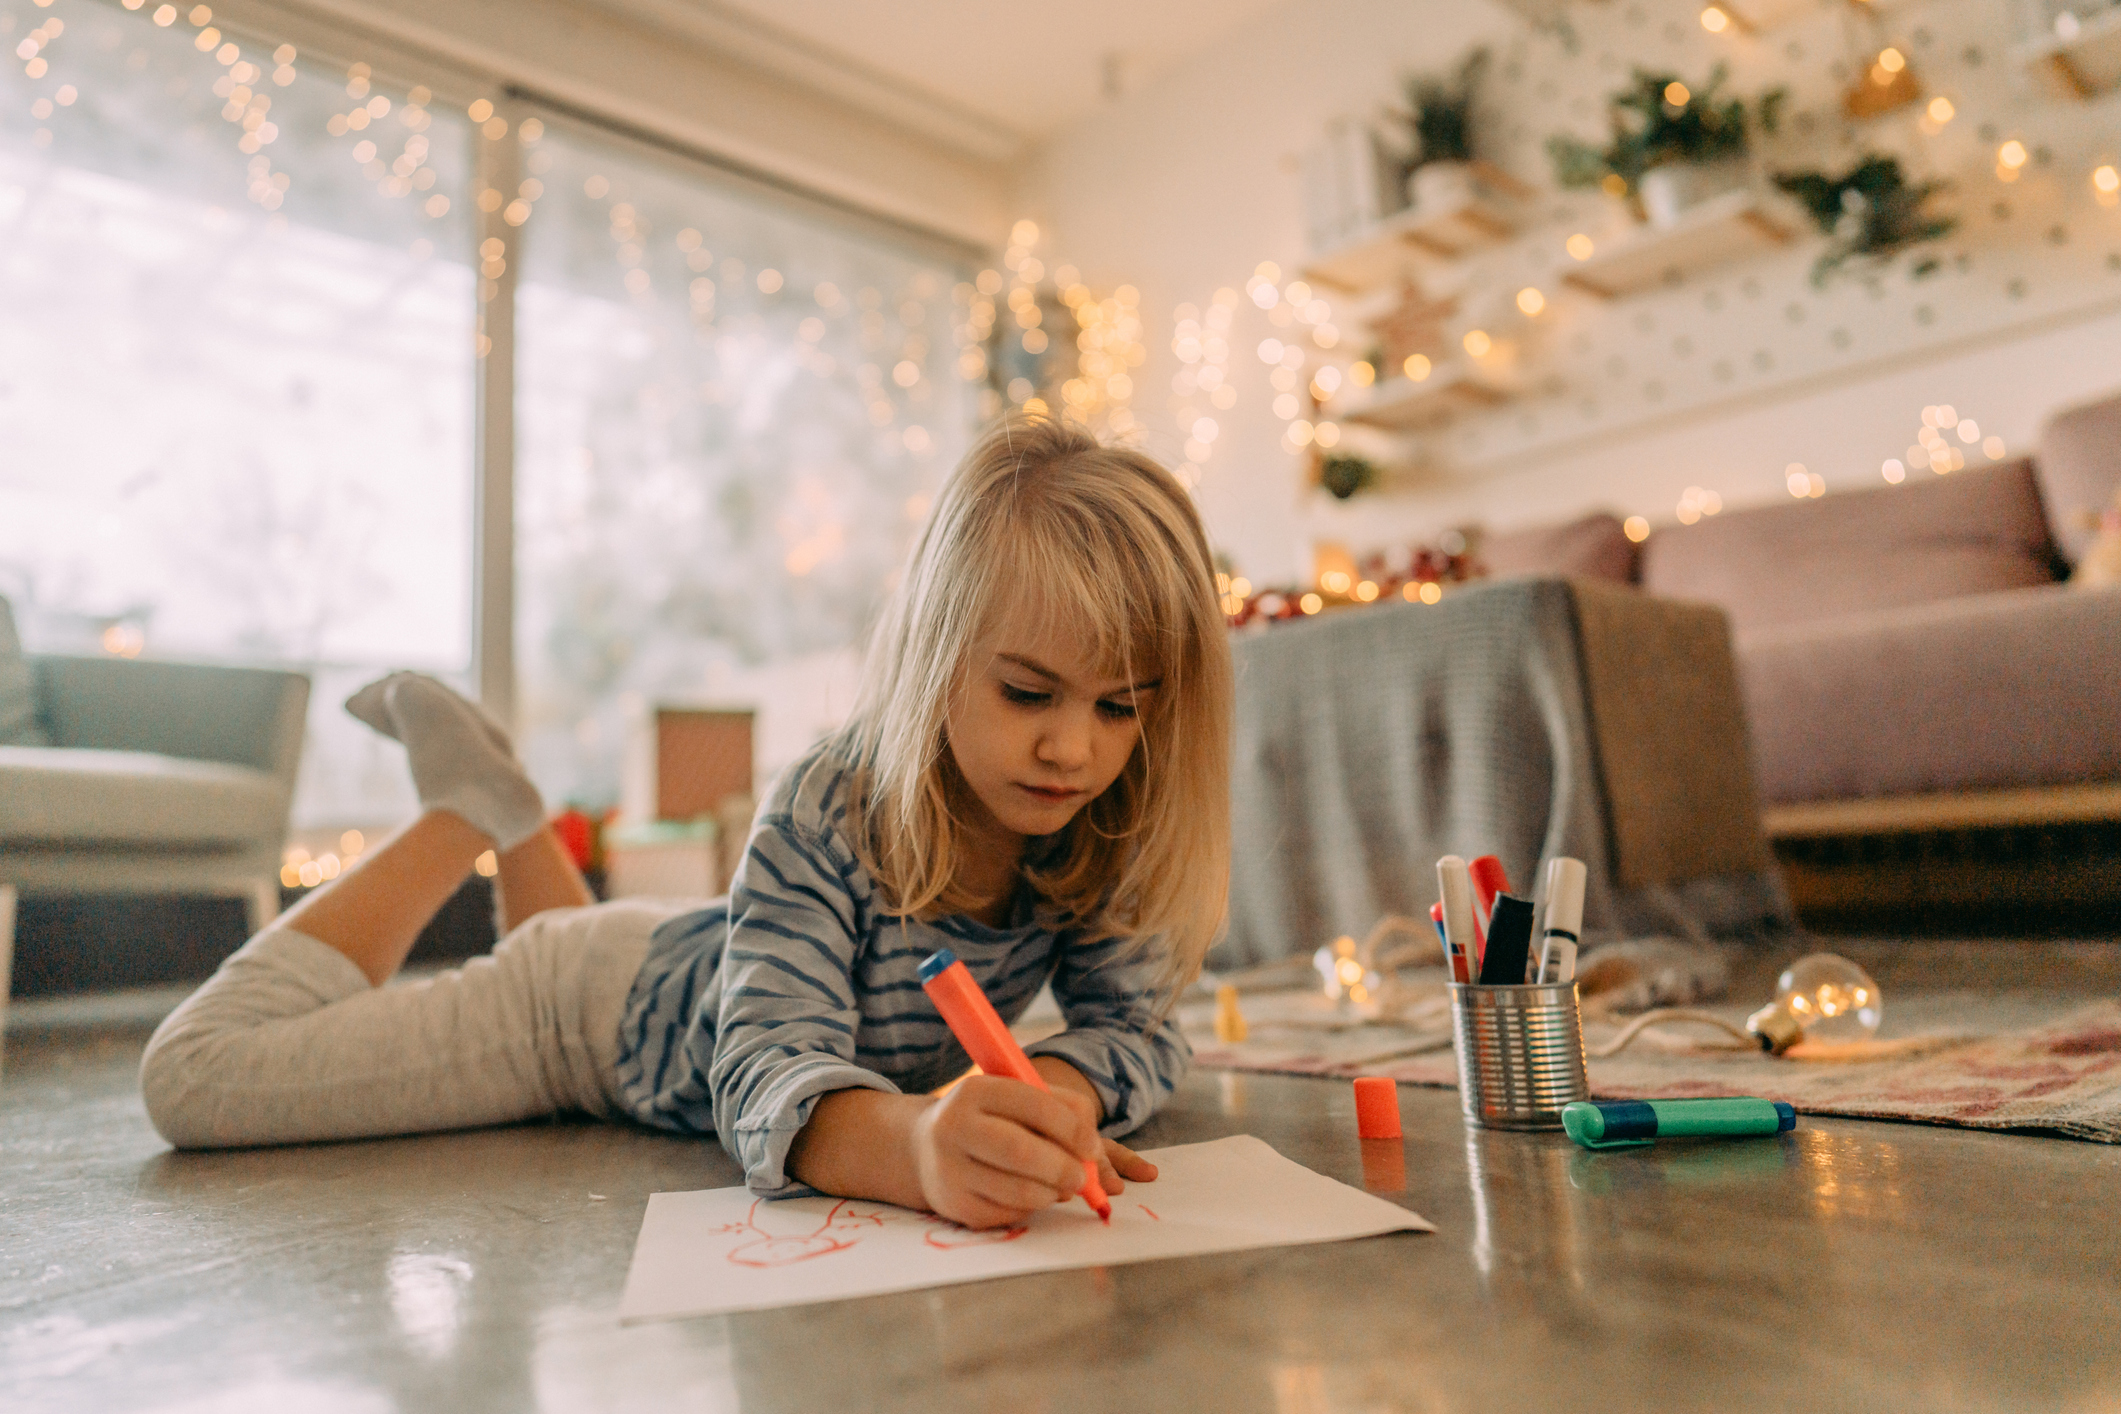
[1668, 722]
[242, 716]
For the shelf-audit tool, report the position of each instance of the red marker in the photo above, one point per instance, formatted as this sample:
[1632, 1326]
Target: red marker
[1488, 881]
[985, 1037]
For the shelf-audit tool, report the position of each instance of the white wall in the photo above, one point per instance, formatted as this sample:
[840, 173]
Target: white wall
[1187, 185]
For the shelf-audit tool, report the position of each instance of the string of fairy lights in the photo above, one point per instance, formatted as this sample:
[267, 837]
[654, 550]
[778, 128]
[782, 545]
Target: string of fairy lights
[1109, 347]
[1303, 374]
[1304, 378]
[1098, 386]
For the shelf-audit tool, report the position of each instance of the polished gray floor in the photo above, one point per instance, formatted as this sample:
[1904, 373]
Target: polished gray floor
[1847, 1266]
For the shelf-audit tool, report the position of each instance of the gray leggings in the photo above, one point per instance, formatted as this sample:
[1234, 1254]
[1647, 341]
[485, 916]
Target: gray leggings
[288, 1043]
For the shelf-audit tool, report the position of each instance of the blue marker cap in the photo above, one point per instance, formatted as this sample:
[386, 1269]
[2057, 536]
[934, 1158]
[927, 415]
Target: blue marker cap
[1788, 1115]
[937, 964]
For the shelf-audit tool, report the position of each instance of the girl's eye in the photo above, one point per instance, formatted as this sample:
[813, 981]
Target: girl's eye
[1118, 711]
[1025, 697]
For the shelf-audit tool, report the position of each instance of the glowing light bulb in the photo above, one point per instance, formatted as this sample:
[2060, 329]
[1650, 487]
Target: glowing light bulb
[1343, 973]
[1823, 995]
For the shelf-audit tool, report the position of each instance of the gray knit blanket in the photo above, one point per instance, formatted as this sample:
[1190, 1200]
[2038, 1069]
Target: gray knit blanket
[1372, 741]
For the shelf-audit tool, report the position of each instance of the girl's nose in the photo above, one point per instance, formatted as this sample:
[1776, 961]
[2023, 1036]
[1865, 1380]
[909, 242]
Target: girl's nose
[1066, 744]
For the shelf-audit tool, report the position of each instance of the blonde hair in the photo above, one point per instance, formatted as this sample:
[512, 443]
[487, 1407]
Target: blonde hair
[1108, 540]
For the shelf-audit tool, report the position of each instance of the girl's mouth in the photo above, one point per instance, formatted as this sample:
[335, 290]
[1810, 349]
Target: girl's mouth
[1052, 795]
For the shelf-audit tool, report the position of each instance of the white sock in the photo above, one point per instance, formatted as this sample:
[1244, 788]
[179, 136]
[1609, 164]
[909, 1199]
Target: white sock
[461, 759]
[370, 705]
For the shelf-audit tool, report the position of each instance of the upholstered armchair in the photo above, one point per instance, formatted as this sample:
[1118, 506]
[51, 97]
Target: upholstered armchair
[147, 777]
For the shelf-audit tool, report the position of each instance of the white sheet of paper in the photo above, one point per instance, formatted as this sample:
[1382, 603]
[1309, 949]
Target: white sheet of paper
[702, 1254]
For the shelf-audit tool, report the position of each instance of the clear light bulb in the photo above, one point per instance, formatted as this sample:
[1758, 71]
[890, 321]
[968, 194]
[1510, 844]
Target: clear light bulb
[1341, 969]
[1823, 995]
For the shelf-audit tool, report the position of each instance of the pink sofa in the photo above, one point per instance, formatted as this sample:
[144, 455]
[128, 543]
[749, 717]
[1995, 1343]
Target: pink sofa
[1911, 656]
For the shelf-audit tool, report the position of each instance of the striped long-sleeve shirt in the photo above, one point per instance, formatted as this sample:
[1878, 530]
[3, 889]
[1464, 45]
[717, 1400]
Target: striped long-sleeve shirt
[796, 985]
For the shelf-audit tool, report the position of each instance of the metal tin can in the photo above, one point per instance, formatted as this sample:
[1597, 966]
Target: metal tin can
[1520, 1054]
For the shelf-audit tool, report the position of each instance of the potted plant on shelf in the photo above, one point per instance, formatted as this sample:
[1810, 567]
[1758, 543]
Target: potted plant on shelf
[1343, 474]
[1871, 212]
[1673, 146]
[1437, 171]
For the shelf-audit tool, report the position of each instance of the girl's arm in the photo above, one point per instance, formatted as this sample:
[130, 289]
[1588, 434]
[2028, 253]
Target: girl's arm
[1115, 1045]
[794, 1106]
[972, 1155]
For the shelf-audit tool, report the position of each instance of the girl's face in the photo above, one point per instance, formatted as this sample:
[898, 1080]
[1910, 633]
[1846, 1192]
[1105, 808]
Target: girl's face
[1038, 729]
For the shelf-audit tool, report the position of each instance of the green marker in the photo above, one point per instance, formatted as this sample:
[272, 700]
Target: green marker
[1620, 1124]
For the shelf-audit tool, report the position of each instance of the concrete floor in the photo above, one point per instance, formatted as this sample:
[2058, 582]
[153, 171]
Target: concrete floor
[1847, 1266]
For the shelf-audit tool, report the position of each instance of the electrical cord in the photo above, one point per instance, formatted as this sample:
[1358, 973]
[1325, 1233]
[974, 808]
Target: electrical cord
[1667, 1015]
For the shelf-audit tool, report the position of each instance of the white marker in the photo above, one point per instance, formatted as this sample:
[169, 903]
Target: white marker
[1457, 888]
[1557, 954]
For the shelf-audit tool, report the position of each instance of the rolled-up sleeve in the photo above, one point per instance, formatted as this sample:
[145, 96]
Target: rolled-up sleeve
[785, 1033]
[1107, 992]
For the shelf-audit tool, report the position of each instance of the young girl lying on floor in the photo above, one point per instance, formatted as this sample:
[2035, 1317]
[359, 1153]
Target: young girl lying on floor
[1036, 776]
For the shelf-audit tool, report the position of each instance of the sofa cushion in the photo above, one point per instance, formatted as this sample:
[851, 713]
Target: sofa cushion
[1594, 547]
[70, 795]
[1937, 537]
[2080, 470]
[1989, 691]
[18, 688]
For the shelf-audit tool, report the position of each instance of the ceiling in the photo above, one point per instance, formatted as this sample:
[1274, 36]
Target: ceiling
[992, 75]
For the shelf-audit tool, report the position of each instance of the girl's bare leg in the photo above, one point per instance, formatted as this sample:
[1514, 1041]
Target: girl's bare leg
[475, 798]
[375, 910]
[536, 875]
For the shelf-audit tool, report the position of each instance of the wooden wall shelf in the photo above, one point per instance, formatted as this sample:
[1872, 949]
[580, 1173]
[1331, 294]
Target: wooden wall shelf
[1404, 405]
[1722, 229]
[1487, 217]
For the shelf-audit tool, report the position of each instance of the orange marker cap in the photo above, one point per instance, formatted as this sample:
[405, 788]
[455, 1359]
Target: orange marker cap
[1377, 1107]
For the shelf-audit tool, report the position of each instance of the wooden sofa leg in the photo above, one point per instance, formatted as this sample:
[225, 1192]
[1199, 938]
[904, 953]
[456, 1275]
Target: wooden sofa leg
[262, 904]
[7, 947]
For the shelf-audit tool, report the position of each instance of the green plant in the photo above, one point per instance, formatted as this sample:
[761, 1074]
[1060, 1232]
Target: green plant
[1872, 212]
[1345, 475]
[1658, 119]
[1440, 120]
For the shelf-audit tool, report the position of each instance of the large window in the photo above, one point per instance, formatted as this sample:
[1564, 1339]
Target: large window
[235, 363]
[238, 383]
[730, 415]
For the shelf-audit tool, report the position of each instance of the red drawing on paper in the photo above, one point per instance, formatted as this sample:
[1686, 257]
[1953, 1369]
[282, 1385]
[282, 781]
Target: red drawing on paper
[775, 1242]
[947, 1236]
[781, 1249]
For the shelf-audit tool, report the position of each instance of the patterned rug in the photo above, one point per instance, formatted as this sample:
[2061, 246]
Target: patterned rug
[1979, 1059]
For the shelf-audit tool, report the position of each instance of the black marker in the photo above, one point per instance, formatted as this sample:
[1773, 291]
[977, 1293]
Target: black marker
[1509, 942]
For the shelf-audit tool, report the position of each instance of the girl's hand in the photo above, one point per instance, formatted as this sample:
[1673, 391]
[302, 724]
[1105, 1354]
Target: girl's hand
[993, 1151]
[1115, 1161]
[1118, 1163]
